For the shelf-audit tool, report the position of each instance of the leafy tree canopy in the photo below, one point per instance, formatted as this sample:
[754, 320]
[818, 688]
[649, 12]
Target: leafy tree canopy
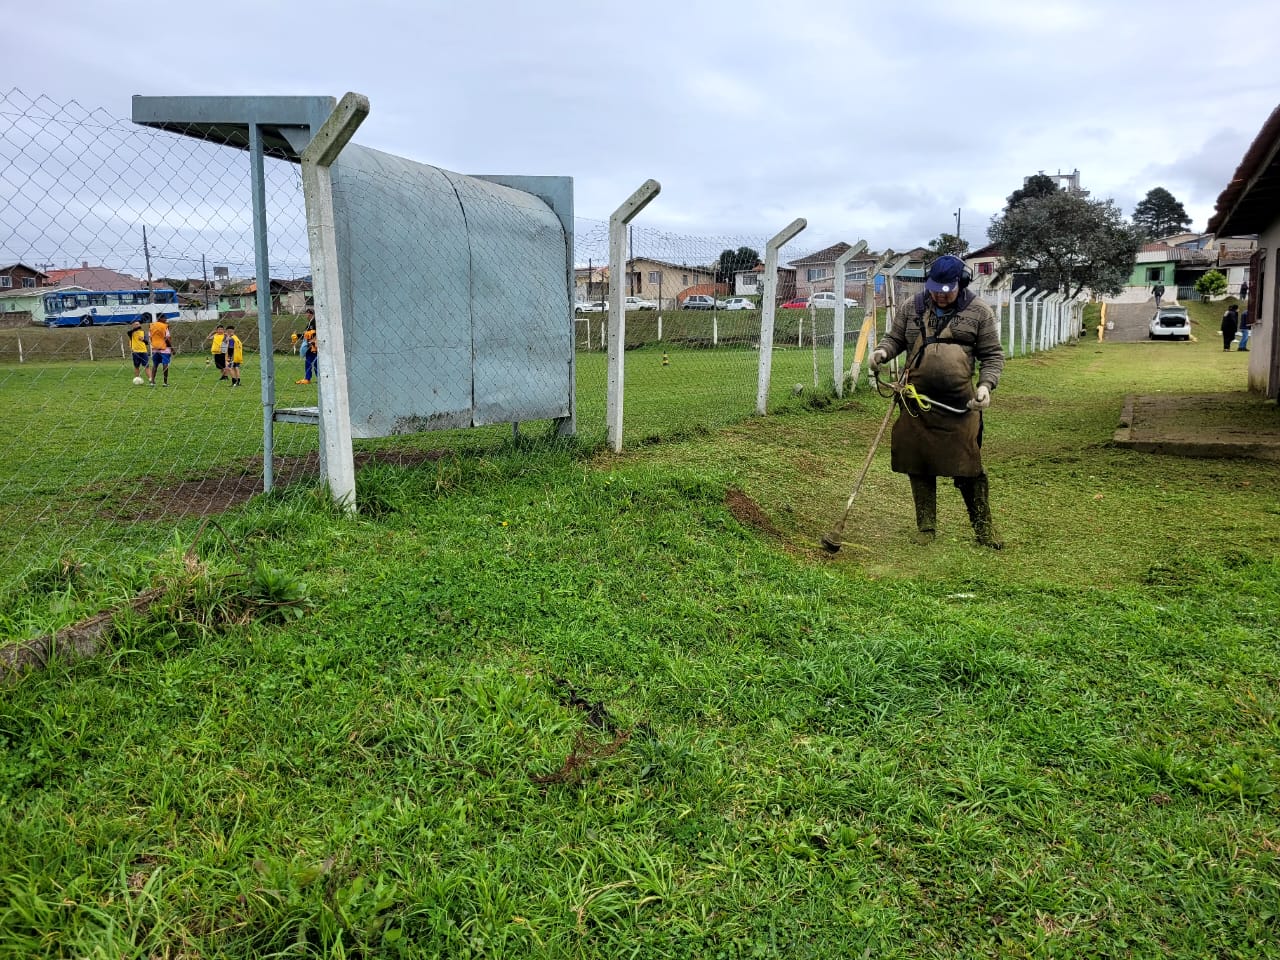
[949, 243]
[1037, 185]
[731, 261]
[1159, 214]
[1212, 284]
[1070, 241]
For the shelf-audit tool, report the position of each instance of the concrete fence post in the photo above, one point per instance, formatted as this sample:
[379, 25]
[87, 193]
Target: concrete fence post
[336, 452]
[837, 335]
[769, 307]
[625, 213]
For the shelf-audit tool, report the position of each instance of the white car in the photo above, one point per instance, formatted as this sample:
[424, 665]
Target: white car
[637, 303]
[827, 300]
[1170, 323]
[594, 306]
[739, 303]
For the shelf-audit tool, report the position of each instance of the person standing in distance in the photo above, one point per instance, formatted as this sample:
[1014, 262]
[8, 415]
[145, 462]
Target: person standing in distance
[215, 349]
[946, 334]
[161, 349]
[140, 349]
[310, 353]
[1230, 324]
[234, 353]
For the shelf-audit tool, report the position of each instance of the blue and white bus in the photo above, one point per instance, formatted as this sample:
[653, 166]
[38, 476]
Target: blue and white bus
[87, 308]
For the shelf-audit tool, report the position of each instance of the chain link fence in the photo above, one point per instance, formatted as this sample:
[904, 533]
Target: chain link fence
[105, 220]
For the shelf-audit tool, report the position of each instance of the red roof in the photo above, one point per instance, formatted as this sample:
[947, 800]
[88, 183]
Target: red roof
[94, 278]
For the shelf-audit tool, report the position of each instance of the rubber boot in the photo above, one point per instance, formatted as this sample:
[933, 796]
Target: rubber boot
[924, 491]
[975, 491]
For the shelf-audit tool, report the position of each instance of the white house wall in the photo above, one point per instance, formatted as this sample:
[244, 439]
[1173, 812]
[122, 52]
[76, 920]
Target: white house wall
[1261, 369]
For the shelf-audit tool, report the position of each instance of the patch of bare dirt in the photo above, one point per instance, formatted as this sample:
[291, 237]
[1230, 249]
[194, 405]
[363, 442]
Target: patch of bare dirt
[747, 512]
[212, 494]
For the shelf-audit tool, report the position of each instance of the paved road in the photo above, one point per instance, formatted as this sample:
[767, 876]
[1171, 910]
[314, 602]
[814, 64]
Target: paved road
[1130, 321]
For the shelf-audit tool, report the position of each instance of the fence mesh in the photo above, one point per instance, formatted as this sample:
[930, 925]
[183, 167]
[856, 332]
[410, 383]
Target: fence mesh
[104, 219]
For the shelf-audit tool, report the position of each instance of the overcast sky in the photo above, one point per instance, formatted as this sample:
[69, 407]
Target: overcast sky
[875, 121]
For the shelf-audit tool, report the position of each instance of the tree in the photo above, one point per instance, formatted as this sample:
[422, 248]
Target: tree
[1036, 185]
[949, 243]
[732, 261]
[1212, 284]
[1070, 241]
[1159, 214]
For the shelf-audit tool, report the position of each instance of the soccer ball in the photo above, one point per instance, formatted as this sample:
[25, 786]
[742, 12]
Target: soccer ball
[138, 381]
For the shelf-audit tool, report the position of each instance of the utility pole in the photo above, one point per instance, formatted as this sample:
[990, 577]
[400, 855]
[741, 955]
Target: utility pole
[146, 252]
[205, 272]
[957, 224]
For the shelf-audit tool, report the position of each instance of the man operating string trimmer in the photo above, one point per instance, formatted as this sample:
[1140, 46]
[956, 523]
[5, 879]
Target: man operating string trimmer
[942, 332]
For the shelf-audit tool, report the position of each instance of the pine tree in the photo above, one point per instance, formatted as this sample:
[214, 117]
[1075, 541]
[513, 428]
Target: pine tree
[1159, 214]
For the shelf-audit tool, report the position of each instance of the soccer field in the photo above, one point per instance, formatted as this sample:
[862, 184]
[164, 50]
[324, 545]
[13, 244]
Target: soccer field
[94, 467]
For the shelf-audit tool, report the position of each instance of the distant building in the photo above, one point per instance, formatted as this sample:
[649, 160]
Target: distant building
[1069, 182]
[1246, 207]
[17, 276]
[94, 278]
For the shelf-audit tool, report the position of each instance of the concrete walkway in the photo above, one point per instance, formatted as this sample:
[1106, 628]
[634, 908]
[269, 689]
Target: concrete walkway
[1131, 320]
[1214, 425]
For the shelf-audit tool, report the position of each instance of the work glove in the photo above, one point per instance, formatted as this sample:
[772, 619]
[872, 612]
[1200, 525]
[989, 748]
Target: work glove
[879, 358]
[981, 398]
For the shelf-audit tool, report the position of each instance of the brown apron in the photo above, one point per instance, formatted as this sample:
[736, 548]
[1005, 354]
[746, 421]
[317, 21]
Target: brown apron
[936, 442]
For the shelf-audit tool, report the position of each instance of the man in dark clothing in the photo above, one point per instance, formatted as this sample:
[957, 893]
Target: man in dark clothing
[1158, 292]
[943, 332]
[1230, 323]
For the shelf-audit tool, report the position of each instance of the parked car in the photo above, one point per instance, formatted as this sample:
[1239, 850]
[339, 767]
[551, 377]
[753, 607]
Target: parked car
[826, 299]
[698, 301]
[593, 306]
[1170, 323]
[637, 303]
[799, 303]
[739, 303]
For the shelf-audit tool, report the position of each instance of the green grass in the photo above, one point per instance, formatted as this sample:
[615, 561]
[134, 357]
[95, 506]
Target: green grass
[545, 702]
[95, 468]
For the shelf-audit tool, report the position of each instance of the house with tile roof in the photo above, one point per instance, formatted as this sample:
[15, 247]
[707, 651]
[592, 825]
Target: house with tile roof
[17, 276]
[94, 278]
[816, 272]
[666, 283]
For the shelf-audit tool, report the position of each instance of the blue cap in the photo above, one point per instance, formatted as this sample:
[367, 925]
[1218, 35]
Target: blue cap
[944, 274]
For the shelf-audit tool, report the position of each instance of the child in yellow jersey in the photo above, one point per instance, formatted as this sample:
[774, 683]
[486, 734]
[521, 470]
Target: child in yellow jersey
[234, 354]
[139, 347]
[219, 355]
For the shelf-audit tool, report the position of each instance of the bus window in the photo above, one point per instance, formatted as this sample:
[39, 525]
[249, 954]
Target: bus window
[50, 304]
[97, 300]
